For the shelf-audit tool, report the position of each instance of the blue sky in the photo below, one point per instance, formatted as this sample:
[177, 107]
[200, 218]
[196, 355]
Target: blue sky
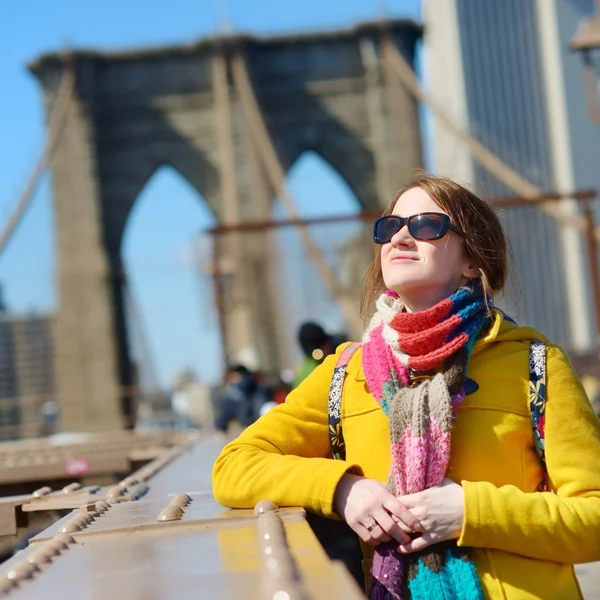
[174, 298]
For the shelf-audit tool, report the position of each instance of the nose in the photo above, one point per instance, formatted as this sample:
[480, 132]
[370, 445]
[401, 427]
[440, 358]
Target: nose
[402, 238]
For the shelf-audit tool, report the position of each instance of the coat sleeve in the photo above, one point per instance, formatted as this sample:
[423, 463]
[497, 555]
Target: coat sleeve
[285, 456]
[563, 526]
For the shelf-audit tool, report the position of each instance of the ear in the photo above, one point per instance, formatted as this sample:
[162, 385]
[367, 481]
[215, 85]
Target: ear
[471, 272]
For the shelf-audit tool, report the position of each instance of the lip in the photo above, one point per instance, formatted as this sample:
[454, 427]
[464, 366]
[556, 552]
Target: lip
[403, 258]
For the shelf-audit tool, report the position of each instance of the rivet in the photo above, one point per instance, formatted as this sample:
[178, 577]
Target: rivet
[72, 487]
[281, 595]
[64, 538]
[114, 492]
[58, 545]
[43, 491]
[171, 513]
[89, 509]
[39, 558]
[49, 550]
[264, 506]
[83, 519]
[102, 506]
[268, 550]
[22, 570]
[181, 500]
[70, 527]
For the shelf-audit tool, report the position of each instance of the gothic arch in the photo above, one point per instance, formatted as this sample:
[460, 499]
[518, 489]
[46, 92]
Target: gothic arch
[138, 110]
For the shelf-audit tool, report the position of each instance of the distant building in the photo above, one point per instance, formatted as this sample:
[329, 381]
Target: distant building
[504, 71]
[26, 374]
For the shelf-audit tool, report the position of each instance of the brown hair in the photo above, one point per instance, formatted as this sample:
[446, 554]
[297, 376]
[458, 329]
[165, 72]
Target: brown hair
[483, 236]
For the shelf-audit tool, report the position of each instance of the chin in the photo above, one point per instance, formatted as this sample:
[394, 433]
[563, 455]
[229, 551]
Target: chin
[405, 286]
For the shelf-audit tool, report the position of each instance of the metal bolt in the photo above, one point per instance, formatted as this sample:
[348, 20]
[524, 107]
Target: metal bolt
[70, 527]
[84, 519]
[89, 509]
[264, 506]
[43, 491]
[49, 550]
[72, 487]
[171, 513]
[102, 506]
[181, 500]
[39, 558]
[63, 540]
[114, 492]
[22, 570]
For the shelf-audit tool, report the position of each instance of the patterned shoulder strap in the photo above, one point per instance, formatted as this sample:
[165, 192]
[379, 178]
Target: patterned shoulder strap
[537, 397]
[336, 435]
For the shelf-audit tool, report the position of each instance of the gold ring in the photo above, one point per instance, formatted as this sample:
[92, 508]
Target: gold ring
[372, 526]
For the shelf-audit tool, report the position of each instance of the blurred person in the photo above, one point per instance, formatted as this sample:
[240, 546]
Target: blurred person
[242, 398]
[316, 345]
[460, 447]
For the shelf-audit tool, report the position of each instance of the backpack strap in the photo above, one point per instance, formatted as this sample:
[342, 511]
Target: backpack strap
[336, 435]
[537, 398]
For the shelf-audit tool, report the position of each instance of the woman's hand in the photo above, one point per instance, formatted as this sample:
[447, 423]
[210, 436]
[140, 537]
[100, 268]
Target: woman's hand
[441, 511]
[373, 513]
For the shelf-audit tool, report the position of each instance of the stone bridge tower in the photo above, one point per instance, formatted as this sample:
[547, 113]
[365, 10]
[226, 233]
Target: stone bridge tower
[135, 111]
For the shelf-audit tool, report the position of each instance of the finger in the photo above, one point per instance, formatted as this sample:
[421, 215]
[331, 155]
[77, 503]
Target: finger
[379, 536]
[363, 533]
[374, 537]
[427, 539]
[376, 531]
[395, 507]
[391, 526]
[402, 526]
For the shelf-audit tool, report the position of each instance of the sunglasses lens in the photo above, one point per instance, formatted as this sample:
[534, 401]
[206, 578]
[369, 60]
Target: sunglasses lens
[386, 228]
[427, 226]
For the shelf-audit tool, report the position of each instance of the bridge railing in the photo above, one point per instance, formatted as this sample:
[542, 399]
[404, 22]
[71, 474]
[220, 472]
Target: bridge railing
[159, 533]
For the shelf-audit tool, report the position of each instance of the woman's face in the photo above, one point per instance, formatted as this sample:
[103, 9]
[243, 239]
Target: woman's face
[423, 273]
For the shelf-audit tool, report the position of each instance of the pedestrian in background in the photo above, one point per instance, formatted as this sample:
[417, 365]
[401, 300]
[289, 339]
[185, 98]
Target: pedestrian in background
[316, 345]
[242, 398]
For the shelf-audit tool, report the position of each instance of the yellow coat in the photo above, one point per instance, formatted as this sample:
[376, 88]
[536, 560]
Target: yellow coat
[524, 542]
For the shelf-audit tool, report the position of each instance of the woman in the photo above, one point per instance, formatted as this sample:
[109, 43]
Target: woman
[466, 520]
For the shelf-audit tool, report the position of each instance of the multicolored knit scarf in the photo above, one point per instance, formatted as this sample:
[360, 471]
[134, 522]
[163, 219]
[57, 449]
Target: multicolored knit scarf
[397, 346]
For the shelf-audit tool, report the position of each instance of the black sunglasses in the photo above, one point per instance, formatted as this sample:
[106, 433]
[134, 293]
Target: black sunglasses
[425, 226]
